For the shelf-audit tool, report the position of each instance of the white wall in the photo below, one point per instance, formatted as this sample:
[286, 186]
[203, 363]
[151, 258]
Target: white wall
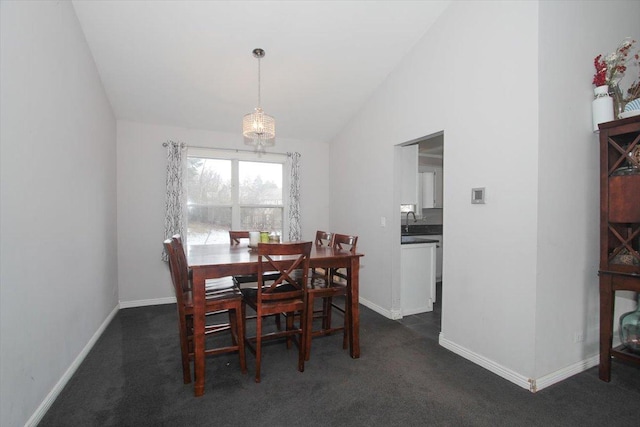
[142, 276]
[473, 75]
[569, 207]
[58, 204]
[519, 276]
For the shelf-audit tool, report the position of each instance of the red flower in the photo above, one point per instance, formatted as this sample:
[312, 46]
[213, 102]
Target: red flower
[600, 77]
[611, 68]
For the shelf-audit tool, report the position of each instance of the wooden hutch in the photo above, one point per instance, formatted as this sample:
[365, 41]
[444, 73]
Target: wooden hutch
[619, 228]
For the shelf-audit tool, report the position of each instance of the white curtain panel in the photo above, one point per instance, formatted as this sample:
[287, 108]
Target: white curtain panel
[293, 160]
[175, 197]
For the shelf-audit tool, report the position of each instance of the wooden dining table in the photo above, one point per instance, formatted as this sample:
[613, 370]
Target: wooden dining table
[219, 260]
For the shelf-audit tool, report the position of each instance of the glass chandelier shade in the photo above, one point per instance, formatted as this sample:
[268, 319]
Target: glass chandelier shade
[258, 128]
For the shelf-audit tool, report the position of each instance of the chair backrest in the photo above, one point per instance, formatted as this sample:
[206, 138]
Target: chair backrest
[344, 242]
[179, 269]
[235, 236]
[323, 238]
[291, 262]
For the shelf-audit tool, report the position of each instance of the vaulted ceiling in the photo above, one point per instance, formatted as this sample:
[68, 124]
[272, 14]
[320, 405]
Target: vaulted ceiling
[189, 63]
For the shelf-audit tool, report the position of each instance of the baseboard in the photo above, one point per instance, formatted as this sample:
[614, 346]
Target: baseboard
[35, 419]
[533, 385]
[393, 314]
[146, 302]
[564, 373]
[425, 309]
[488, 364]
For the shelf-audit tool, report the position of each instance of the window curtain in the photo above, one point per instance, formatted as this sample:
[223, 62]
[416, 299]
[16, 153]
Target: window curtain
[175, 197]
[293, 160]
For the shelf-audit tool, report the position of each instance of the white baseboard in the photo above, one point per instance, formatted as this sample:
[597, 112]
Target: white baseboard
[62, 382]
[425, 309]
[145, 302]
[533, 385]
[488, 364]
[389, 314]
[564, 373]
[396, 314]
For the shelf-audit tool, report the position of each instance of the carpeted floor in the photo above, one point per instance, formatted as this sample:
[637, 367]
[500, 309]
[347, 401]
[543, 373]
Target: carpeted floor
[133, 377]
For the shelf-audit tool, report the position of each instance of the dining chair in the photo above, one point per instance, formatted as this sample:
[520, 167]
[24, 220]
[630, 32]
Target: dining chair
[221, 295]
[286, 294]
[235, 236]
[319, 276]
[337, 284]
[250, 280]
[235, 240]
[318, 273]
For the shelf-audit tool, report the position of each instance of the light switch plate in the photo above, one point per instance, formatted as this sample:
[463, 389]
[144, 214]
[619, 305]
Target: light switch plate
[477, 196]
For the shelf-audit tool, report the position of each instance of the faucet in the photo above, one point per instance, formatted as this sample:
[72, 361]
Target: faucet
[406, 227]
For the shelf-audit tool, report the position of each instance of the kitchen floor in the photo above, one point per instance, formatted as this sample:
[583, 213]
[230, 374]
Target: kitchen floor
[427, 324]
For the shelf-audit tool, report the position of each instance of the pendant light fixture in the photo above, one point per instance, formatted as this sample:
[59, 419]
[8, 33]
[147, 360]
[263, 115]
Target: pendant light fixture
[258, 128]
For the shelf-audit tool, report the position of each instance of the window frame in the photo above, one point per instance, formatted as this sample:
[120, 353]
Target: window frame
[237, 156]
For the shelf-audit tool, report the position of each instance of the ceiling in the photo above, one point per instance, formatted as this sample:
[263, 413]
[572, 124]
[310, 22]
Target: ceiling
[189, 63]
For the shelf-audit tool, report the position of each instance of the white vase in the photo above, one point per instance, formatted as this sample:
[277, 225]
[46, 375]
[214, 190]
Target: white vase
[601, 107]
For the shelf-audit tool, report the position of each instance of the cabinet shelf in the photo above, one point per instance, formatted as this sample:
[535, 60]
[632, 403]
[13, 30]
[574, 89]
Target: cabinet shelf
[622, 353]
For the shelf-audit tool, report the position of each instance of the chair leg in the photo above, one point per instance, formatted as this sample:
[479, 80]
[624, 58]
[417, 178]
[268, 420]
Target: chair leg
[347, 328]
[347, 321]
[329, 302]
[278, 324]
[289, 317]
[184, 349]
[325, 307]
[233, 326]
[308, 326]
[258, 345]
[304, 314]
[239, 331]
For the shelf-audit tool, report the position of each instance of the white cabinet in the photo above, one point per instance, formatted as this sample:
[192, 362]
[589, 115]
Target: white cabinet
[431, 188]
[418, 278]
[428, 181]
[409, 193]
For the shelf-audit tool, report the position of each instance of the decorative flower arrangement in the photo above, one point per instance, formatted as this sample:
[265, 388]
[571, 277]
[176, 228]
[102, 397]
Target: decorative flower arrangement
[611, 68]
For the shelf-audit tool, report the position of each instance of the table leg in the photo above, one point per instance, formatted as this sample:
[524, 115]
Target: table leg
[198, 331]
[353, 299]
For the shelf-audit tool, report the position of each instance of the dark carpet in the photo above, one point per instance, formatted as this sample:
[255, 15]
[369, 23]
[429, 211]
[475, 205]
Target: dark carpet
[133, 377]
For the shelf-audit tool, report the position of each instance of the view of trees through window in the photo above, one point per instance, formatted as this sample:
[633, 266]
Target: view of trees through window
[231, 194]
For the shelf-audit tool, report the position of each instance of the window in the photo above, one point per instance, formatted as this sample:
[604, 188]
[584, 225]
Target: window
[233, 191]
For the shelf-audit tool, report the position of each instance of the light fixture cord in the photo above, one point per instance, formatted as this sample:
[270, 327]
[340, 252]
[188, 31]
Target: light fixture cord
[258, 81]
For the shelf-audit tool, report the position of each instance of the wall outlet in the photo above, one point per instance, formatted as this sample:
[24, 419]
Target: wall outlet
[383, 221]
[578, 337]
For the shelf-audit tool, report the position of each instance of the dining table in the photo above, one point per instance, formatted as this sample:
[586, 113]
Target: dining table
[220, 260]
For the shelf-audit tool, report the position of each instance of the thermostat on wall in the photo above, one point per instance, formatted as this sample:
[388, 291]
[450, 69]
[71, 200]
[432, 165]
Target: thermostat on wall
[477, 196]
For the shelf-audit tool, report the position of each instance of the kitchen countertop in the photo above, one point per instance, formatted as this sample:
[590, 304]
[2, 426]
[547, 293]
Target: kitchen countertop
[422, 229]
[410, 240]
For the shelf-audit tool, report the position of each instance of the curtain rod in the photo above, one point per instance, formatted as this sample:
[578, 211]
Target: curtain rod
[235, 150]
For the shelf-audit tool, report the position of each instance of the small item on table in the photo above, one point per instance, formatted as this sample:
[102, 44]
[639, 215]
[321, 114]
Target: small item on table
[254, 239]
